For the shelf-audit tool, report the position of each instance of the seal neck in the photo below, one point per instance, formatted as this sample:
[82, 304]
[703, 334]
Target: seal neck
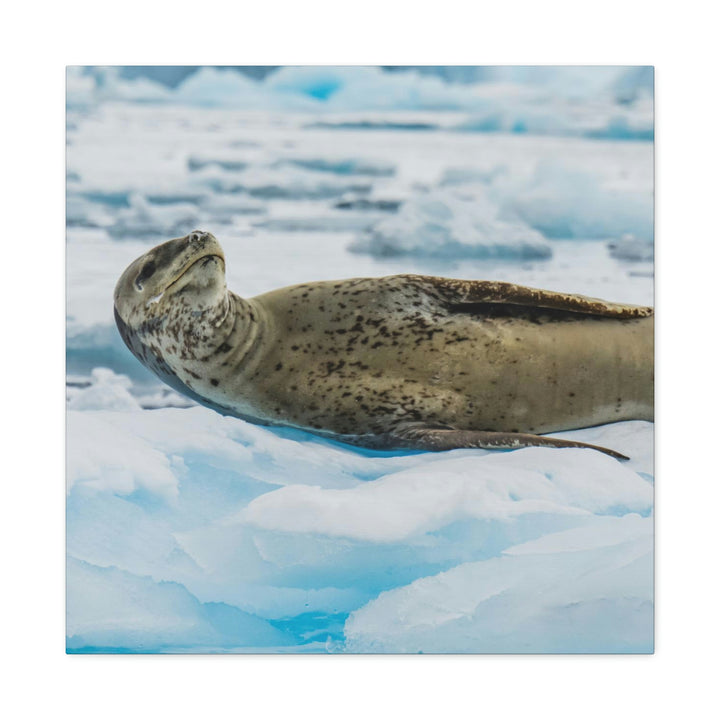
[237, 335]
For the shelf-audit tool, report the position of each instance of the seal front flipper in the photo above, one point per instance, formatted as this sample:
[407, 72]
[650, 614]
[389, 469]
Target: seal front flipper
[434, 439]
[465, 295]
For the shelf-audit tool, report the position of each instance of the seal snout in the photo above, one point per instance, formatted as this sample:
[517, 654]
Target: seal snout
[200, 236]
[199, 243]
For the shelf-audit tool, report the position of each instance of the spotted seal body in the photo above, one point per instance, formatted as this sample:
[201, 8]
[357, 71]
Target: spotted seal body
[405, 361]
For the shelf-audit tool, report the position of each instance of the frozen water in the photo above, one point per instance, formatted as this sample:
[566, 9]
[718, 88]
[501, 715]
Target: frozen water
[588, 589]
[628, 247]
[611, 102]
[286, 526]
[442, 224]
[190, 531]
[109, 609]
[565, 202]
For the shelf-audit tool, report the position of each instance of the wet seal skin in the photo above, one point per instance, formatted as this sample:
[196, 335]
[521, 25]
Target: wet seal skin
[398, 362]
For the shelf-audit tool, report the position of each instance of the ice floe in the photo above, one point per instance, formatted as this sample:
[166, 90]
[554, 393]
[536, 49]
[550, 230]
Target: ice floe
[300, 531]
[446, 225]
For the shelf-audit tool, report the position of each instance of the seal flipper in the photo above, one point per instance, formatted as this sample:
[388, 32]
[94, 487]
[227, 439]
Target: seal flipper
[435, 439]
[462, 294]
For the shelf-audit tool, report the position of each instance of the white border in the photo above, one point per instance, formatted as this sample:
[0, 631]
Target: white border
[40, 679]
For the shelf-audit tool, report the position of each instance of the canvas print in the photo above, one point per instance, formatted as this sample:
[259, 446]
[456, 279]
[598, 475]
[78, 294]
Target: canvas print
[360, 359]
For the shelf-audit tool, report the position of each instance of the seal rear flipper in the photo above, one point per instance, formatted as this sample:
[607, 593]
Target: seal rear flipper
[462, 295]
[435, 439]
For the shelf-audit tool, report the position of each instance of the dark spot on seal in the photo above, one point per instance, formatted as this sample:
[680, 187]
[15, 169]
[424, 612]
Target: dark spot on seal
[223, 349]
[278, 366]
[214, 382]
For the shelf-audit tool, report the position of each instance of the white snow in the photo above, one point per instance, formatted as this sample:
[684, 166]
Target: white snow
[404, 505]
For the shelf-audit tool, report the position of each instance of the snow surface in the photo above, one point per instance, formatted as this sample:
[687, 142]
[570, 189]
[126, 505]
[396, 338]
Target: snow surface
[188, 531]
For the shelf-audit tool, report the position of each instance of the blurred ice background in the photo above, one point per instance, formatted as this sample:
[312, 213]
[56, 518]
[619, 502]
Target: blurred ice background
[190, 532]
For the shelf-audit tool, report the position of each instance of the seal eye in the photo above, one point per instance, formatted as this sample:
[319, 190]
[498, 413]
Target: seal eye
[147, 270]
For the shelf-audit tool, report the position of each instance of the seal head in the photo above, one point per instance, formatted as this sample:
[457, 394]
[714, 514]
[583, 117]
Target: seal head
[169, 301]
[189, 270]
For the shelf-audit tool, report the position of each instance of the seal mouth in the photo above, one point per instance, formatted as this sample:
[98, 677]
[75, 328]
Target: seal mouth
[204, 259]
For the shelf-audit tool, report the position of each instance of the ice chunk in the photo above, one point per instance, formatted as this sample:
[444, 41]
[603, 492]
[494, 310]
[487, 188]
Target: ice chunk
[112, 610]
[88, 85]
[232, 162]
[582, 590]
[102, 457]
[441, 224]
[82, 212]
[464, 175]
[422, 499]
[345, 166]
[351, 88]
[274, 183]
[364, 204]
[632, 249]
[565, 202]
[108, 391]
[144, 219]
[216, 87]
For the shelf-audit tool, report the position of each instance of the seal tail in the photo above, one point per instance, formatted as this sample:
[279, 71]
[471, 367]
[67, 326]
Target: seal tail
[438, 439]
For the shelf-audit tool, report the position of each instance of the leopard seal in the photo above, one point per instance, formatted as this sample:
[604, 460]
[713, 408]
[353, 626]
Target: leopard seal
[398, 362]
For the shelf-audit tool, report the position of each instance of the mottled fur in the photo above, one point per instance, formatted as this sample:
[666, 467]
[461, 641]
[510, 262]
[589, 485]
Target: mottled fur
[400, 361]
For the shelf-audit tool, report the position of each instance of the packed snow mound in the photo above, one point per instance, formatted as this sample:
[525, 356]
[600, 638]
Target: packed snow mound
[109, 609]
[441, 224]
[423, 499]
[583, 590]
[562, 201]
[107, 391]
[175, 510]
